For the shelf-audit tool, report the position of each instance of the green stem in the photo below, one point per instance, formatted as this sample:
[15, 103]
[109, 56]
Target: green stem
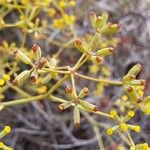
[23, 100]
[96, 129]
[100, 80]
[130, 138]
[57, 85]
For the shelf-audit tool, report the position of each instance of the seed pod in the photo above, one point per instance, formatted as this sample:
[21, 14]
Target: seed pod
[84, 92]
[101, 21]
[46, 79]
[96, 59]
[98, 22]
[105, 51]
[138, 82]
[69, 90]
[135, 70]
[128, 78]
[93, 18]
[111, 28]
[22, 77]
[41, 63]
[6, 77]
[64, 106]
[5, 131]
[76, 116]
[80, 45]
[37, 52]
[22, 57]
[133, 94]
[88, 106]
[34, 75]
[95, 41]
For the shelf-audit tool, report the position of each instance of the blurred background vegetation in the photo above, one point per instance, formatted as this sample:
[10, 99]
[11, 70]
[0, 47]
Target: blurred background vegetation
[39, 126]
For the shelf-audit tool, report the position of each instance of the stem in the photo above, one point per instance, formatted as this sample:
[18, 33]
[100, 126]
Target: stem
[59, 83]
[14, 24]
[96, 129]
[79, 61]
[56, 71]
[100, 80]
[23, 100]
[80, 64]
[73, 84]
[130, 138]
[125, 139]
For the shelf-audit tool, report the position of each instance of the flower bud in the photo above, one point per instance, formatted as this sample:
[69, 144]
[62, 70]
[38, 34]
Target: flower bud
[123, 127]
[105, 51]
[111, 28]
[88, 106]
[143, 146]
[84, 92]
[4, 147]
[37, 52]
[22, 77]
[76, 116]
[5, 131]
[114, 114]
[93, 18]
[64, 106]
[110, 131]
[96, 59]
[145, 107]
[2, 82]
[34, 75]
[129, 115]
[147, 100]
[80, 45]
[22, 57]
